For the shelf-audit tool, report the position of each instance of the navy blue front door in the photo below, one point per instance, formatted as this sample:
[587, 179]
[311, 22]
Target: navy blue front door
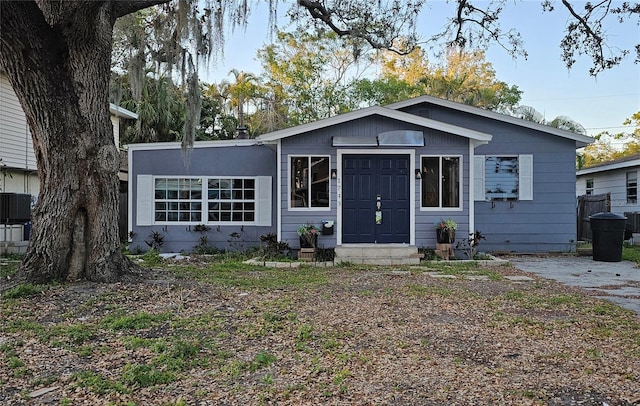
[367, 180]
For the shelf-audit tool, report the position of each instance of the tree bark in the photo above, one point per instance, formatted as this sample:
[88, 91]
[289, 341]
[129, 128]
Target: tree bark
[57, 58]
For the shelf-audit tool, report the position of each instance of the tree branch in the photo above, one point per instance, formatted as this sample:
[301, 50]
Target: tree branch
[122, 8]
[583, 22]
[486, 29]
[376, 37]
[589, 33]
[586, 34]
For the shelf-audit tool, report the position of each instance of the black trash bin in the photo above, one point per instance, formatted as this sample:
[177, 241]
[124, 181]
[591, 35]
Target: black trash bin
[607, 230]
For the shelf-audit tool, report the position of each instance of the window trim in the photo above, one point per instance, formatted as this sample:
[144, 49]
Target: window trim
[504, 175]
[289, 185]
[145, 205]
[231, 200]
[460, 183]
[178, 200]
[525, 177]
[631, 199]
[588, 190]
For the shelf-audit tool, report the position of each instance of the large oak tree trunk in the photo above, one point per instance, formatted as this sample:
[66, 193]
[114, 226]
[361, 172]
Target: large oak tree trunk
[57, 58]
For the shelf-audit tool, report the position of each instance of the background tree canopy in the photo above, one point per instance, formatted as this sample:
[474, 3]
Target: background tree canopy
[324, 69]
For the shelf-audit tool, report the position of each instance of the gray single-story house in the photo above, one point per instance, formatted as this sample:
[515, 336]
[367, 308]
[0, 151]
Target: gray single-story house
[379, 175]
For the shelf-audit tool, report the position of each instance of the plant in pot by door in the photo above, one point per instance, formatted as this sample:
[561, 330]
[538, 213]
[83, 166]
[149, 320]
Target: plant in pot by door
[446, 231]
[308, 234]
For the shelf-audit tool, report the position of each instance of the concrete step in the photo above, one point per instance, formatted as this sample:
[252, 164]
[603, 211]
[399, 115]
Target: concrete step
[378, 254]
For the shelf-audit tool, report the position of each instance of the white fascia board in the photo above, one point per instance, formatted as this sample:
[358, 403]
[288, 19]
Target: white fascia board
[198, 144]
[611, 167]
[122, 112]
[581, 140]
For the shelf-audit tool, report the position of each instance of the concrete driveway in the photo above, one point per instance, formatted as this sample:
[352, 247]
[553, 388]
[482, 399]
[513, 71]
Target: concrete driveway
[618, 282]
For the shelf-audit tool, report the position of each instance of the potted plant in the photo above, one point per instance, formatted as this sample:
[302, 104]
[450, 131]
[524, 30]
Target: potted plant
[308, 234]
[446, 231]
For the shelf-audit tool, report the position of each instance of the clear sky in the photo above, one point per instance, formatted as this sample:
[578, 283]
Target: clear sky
[599, 104]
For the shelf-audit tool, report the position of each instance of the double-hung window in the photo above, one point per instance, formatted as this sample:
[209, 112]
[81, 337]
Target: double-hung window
[203, 200]
[632, 187]
[503, 178]
[440, 181]
[589, 187]
[309, 181]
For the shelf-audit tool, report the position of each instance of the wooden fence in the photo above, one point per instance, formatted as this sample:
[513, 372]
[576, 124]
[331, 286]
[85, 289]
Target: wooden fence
[588, 205]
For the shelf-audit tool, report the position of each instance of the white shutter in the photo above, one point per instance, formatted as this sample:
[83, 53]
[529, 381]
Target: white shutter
[144, 200]
[525, 172]
[263, 201]
[478, 177]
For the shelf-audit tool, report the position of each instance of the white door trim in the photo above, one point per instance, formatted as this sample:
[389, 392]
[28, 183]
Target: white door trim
[412, 186]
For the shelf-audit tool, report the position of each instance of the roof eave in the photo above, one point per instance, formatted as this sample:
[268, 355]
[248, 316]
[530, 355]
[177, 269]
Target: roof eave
[580, 139]
[197, 144]
[609, 167]
[122, 112]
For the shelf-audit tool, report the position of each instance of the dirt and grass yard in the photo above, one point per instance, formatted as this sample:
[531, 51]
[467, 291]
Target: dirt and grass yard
[216, 331]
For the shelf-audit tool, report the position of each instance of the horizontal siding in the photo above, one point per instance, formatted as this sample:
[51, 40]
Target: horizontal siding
[548, 222]
[443, 144]
[19, 181]
[115, 124]
[316, 143]
[16, 146]
[227, 161]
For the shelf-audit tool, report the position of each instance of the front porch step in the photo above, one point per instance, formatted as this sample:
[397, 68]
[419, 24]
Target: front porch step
[378, 254]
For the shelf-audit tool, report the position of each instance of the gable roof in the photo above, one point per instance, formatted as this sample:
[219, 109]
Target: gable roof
[377, 111]
[620, 163]
[580, 140]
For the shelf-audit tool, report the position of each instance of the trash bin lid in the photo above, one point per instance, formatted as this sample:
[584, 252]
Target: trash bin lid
[607, 216]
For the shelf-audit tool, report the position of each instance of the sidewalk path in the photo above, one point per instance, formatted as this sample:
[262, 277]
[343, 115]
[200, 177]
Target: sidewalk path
[619, 282]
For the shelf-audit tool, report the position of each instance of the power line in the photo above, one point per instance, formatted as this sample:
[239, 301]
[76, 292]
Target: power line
[584, 97]
[608, 128]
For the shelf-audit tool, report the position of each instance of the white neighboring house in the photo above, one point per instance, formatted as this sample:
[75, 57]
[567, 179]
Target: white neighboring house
[619, 178]
[17, 159]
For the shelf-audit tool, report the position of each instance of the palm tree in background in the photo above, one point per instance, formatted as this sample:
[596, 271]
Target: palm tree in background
[242, 91]
[562, 122]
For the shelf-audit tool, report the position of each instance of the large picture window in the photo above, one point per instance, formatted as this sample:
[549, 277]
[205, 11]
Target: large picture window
[209, 200]
[440, 186]
[309, 181]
